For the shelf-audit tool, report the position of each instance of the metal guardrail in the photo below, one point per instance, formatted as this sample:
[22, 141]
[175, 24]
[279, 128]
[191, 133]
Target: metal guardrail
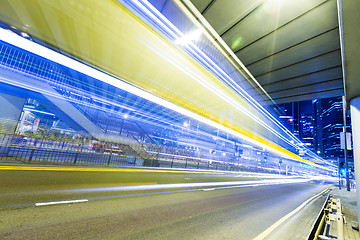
[27, 150]
[30, 150]
[331, 212]
[318, 225]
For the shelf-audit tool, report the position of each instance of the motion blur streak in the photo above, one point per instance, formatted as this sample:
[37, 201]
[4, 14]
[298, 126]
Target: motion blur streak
[30, 46]
[218, 103]
[188, 185]
[70, 169]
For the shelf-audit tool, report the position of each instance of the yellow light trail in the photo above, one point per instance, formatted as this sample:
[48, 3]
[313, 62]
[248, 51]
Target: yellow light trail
[80, 169]
[69, 25]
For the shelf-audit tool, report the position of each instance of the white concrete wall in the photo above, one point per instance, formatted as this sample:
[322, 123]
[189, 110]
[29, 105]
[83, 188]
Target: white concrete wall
[355, 122]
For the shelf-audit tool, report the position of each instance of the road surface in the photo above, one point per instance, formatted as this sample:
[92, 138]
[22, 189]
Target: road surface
[126, 203]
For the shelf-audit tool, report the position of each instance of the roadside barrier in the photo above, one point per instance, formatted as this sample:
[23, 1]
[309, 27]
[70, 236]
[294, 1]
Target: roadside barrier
[329, 218]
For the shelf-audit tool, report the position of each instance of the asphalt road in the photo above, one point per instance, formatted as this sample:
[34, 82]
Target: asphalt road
[151, 204]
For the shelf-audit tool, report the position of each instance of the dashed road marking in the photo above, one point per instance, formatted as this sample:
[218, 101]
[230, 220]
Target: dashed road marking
[60, 202]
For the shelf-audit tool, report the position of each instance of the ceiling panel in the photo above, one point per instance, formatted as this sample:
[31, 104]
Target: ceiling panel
[309, 89]
[294, 44]
[309, 49]
[314, 95]
[325, 75]
[262, 22]
[292, 34]
[201, 4]
[328, 60]
[223, 14]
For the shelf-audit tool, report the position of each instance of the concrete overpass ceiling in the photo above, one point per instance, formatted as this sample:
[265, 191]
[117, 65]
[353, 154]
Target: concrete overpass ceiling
[292, 48]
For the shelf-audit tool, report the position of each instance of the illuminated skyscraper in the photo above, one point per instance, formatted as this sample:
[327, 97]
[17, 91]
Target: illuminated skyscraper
[331, 115]
[307, 130]
[318, 124]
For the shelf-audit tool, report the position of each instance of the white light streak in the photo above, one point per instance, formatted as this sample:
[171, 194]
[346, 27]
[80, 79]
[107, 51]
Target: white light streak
[37, 111]
[212, 88]
[188, 38]
[174, 32]
[188, 185]
[37, 49]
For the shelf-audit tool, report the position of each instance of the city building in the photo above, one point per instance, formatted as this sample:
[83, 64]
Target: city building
[331, 118]
[318, 126]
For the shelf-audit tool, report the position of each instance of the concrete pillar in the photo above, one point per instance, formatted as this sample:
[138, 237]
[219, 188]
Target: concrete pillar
[355, 122]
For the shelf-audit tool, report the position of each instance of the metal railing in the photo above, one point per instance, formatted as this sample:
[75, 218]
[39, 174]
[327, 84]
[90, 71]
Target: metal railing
[31, 150]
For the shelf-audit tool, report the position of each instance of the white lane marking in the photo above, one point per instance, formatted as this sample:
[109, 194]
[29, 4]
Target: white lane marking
[264, 234]
[209, 189]
[61, 202]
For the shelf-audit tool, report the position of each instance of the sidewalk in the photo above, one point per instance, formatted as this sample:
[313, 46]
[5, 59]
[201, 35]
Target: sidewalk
[349, 210]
